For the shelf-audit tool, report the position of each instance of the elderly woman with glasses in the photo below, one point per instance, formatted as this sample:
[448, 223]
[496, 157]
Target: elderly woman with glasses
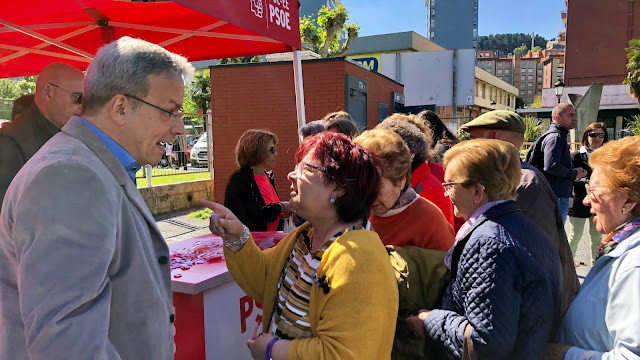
[328, 289]
[602, 321]
[251, 190]
[504, 292]
[593, 137]
[399, 215]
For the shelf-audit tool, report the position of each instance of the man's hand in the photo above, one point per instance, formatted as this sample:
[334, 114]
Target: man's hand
[581, 173]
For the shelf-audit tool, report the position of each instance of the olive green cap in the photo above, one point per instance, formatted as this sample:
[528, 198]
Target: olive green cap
[498, 120]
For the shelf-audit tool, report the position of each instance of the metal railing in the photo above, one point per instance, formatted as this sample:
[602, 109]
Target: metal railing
[186, 159]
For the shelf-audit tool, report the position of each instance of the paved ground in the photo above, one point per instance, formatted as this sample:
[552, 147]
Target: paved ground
[177, 226]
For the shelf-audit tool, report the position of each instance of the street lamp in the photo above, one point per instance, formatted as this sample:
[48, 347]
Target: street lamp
[559, 87]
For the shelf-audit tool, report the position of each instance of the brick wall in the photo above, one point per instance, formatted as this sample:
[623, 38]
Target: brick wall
[262, 96]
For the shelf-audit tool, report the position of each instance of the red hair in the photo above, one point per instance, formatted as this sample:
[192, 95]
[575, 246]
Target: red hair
[348, 165]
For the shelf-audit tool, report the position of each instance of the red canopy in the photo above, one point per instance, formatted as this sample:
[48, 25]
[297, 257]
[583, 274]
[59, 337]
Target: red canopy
[34, 33]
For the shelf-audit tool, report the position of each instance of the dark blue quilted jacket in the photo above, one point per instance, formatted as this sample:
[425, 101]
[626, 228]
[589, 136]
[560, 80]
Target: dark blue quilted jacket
[505, 282]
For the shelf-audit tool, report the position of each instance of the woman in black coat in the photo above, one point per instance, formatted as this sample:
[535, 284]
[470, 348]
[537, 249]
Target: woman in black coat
[594, 136]
[251, 193]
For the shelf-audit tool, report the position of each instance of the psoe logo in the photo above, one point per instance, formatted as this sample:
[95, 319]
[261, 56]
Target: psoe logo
[256, 7]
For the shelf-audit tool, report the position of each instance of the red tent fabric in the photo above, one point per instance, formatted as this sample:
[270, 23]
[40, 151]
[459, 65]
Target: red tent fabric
[34, 33]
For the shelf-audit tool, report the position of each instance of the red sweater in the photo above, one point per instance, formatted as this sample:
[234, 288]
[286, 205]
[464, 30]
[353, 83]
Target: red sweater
[427, 186]
[437, 170]
[419, 224]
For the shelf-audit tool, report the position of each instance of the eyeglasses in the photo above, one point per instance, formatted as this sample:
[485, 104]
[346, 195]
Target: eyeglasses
[596, 135]
[172, 116]
[590, 188]
[273, 150]
[448, 185]
[77, 97]
[301, 166]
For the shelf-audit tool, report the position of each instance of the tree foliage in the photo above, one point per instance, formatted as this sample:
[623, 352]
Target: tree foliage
[241, 60]
[199, 91]
[503, 44]
[537, 101]
[633, 67]
[521, 50]
[11, 89]
[633, 126]
[519, 102]
[532, 129]
[321, 34]
[536, 48]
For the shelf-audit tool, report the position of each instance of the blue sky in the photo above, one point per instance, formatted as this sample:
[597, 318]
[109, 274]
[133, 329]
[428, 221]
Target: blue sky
[495, 16]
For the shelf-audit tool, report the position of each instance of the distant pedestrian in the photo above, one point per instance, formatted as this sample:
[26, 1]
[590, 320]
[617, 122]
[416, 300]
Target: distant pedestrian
[341, 122]
[443, 139]
[558, 167]
[594, 136]
[312, 128]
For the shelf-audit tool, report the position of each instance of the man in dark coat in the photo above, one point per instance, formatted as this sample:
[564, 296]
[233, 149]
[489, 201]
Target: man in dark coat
[38, 117]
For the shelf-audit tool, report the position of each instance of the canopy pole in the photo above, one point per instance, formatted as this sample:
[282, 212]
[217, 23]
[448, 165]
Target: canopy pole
[299, 88]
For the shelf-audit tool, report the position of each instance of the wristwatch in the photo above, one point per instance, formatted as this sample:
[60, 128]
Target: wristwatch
[241, 241]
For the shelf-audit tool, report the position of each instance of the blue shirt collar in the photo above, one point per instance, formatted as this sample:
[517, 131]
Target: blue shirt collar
[127, 161]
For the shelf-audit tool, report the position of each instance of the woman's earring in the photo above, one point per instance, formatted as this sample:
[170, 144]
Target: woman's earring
[332, 200]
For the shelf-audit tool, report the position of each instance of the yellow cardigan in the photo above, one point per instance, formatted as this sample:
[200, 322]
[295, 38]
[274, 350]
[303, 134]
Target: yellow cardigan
[355, 320]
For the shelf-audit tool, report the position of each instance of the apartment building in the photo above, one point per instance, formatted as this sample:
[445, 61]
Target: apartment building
[453, 24]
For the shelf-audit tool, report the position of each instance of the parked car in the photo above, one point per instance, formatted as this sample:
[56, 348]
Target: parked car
[198, 154]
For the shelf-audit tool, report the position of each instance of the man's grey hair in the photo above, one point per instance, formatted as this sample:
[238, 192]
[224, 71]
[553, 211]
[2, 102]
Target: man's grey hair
[123, 67]
[559, 109]
[411, 135]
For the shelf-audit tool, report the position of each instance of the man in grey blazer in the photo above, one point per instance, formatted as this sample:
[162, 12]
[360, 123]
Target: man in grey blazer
[84, 271]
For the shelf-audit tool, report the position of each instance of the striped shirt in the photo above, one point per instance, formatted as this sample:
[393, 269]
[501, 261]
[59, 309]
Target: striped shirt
[291, 316]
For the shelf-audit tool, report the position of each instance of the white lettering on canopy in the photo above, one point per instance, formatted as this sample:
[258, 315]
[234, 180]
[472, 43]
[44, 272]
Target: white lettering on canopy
[279, 13]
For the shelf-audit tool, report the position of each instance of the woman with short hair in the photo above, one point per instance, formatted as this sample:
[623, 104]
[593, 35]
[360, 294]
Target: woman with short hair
[399, 215]
[594, 136]
[504, 292]
[328, 289]
[251, 190]
[602, 321]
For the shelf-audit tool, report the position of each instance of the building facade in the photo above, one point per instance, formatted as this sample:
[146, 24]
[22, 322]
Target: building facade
[596, 37]
[311, 7]
[453, 23]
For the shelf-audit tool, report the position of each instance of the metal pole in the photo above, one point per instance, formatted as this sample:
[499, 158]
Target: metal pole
[148, 167]
[210, 143]
[299, 88]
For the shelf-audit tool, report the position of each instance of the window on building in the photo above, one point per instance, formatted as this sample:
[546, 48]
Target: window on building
[530, 84]
[559, 70]
[507, 71]
[523, 71]
[523, 85]
[530, 70]
[433, 35]
[499, 71]
[484, 88]
[539, 85]
[500, 77]
[523, 77]
[539, 78]
[481, 62]
[530, 77]
[433, 22]
[489, 70]
[507, 78]
[529, 92]
[539, 64]
[530, 63]
[488, 62]
[539, 72]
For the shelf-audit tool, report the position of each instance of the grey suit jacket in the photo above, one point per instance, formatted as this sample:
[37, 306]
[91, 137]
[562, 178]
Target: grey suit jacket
[84, 270]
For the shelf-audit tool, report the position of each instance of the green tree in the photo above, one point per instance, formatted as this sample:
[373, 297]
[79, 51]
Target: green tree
[27, 84]
[199, 90]
[633, 67]
[521, 50]
[537, 102]
[321, 33]
[9, 89]
[633, 126]
[532, 129]
[241, 60]
[536, 48]
[503, 44]
[519, 102]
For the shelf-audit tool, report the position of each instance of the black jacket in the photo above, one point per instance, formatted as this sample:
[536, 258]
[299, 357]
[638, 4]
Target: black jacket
[20, 140]
[578, 209]
[244, 199]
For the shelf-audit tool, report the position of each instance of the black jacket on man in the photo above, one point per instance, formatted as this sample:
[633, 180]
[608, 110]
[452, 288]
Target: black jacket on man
[578, 209]
[21, 139]
[244, 199]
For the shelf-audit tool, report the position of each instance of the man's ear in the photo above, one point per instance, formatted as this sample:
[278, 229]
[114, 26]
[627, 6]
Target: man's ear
[493, 134]
[120, 109]
[46, 92]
